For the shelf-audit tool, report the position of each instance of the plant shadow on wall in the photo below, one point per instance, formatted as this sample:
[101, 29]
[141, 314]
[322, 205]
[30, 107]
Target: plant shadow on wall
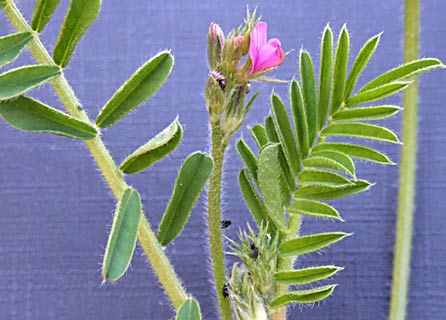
[299, 165]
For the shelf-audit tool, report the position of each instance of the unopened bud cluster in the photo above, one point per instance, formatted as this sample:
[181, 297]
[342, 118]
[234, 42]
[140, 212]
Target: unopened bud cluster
[252, 284]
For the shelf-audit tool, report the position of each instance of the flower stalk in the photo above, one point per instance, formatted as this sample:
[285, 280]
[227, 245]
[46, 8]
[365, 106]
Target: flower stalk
[214, 222]
[226, 91]
[147, 238]
[406, 197]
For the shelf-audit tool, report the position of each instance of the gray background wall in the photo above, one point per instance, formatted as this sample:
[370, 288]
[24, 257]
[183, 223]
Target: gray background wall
[55, 209]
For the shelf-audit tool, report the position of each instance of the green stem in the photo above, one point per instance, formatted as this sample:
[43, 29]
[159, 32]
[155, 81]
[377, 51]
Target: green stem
[154, 252]
[406, 198]
[286, 264]
[214, 221]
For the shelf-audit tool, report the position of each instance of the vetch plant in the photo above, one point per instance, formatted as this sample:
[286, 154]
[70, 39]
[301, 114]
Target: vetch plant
[302, 161]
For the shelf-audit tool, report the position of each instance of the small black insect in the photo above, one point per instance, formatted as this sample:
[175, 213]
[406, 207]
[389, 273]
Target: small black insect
[225, 223]
[221, 79]
[254, 251]
[225, 291]
[79, 107]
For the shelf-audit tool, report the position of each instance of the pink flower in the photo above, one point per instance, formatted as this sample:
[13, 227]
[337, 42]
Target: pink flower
[264, 55]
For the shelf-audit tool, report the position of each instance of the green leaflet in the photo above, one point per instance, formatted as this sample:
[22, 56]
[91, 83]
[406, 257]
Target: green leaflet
[299, 118]
[154, 150]
[33, 116]
[303, 296]
[43, 11]
[269, 184]
[360, 130]
[285, 133]
[340, 70]
[305, 276]
[2, 4]
[191, 180]
[325, 75]
[355, 151]
[17, 81]
[402, 72]
[252, 199]
[137, 89]
[122, 240]
[367, 113]
[314, 208]
[81, 14]
[12, 45]
[361, 61]
[311, 243]
[309, 93]
[271, 130]
[377, 93]
[288, 182]
[329, 193]
[322, 178]
[331, 160]
[258, 132]
[248, 157]
[189, 310]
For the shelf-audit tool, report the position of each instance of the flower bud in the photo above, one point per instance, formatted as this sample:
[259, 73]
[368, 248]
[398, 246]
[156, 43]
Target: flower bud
[215, 98]
[216, 39]
[241, 45]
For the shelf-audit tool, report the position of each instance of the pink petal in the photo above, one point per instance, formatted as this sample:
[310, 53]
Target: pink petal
[258, 40]
[270, 56]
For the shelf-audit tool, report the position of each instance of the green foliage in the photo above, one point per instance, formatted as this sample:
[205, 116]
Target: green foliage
[309, 93]
[190, 182]
[285, 133]
[81, 14]
[323, 192]
[154, 150]
[31, 115]
[12, 45]
[305, 159]
[367, 113]
[360, 130]
[2, 4]
[269, 184]
[258, 132]
[43, 11]
[305, 276]
[189, 310]
[340, 70]
[314, 208]
[252, 199]
[137, 89]
[325, 76]
[304, 296]
[311, 243]
[122, 238]
[17, 81]
[248, 157]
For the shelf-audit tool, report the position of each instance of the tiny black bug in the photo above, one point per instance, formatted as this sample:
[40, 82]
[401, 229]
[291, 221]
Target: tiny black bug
[254, 251]
[225, 291]
[225, 223]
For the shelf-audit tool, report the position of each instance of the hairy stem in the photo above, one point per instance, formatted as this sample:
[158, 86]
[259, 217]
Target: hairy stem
[214, 222]
[286, 264]
[154, 252]
[406, 198]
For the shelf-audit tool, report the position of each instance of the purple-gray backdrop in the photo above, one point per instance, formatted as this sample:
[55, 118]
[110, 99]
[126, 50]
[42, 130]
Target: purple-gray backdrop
[55, 209]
